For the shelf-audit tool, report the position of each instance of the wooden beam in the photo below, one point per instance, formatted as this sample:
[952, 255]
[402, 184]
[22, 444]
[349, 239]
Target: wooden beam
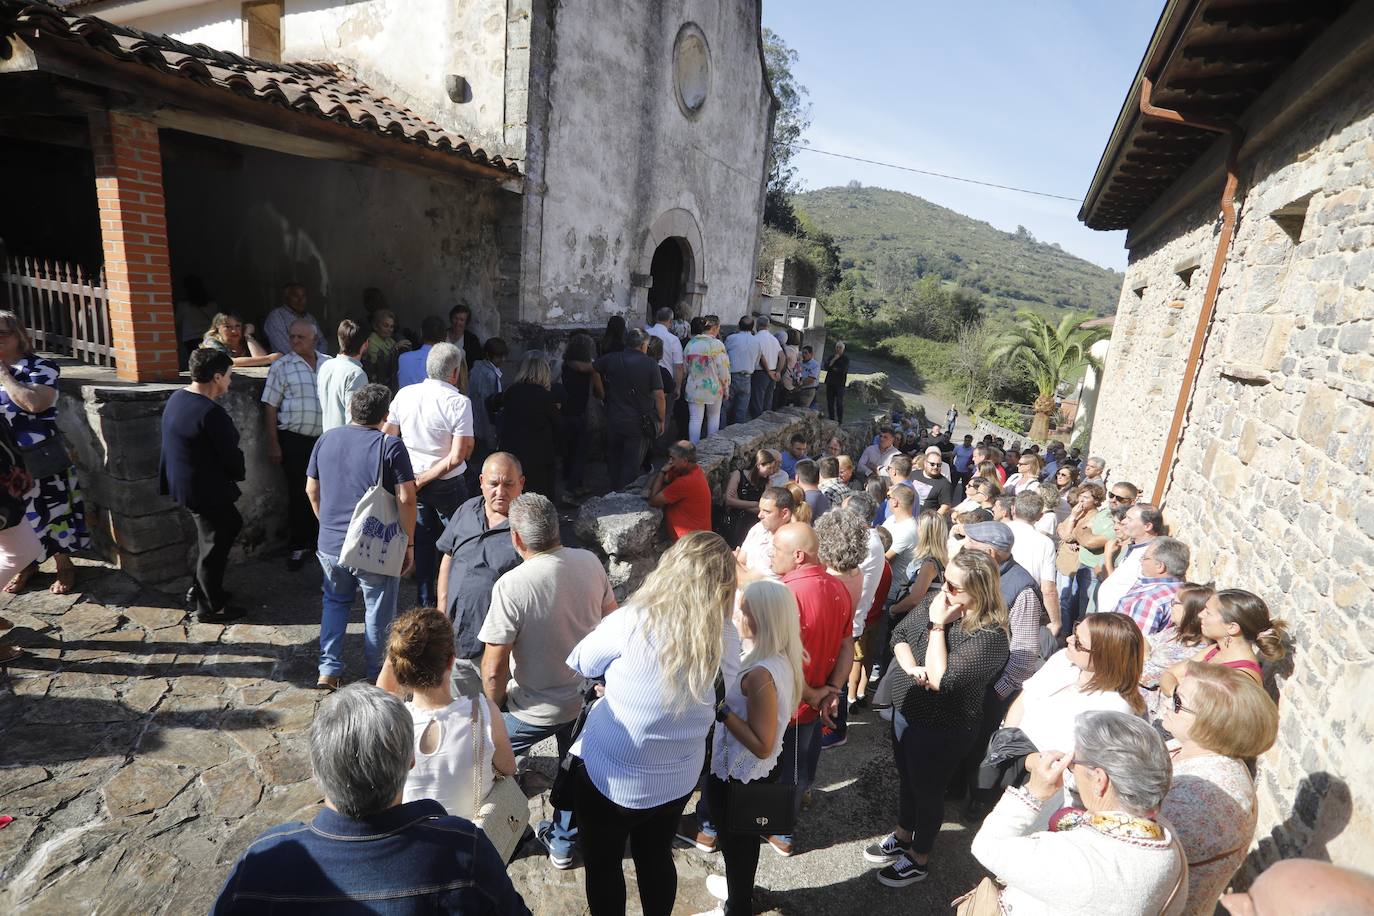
[53, 131]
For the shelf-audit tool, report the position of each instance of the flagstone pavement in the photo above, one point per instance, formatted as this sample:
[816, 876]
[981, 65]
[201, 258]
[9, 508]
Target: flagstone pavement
[140, 753]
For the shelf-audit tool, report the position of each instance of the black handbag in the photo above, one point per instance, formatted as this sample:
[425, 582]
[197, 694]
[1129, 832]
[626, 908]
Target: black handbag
[561, 792]
[47, 458]
[763, 806]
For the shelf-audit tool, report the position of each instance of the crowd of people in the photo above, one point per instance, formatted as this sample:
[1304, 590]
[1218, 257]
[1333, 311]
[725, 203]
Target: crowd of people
[1020, 622]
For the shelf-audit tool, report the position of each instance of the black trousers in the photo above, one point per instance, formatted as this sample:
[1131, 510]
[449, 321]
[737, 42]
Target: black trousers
[603, 827]
[926, 758]
[302, 528]
[741, 850]
[216, 529]
[834, 403]
[624, 455]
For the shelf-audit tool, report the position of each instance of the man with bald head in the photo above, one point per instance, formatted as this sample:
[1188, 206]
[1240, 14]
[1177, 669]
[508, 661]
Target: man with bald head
[292, 422]
[477, 550]
[826, 613]
[1304, 887]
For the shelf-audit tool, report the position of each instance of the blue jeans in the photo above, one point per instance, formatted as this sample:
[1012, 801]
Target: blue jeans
[802, 744]
[737, 406]
[760, 393]
[340, 587]
[434, 506]
[523, 736]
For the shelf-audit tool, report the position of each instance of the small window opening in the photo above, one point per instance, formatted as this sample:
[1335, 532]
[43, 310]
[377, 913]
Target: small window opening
[262, 29]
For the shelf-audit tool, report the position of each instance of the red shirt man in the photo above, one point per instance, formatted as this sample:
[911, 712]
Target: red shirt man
[827, 617]
[681, 491]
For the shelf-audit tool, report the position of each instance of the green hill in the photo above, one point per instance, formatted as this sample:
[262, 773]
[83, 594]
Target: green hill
[889, 240]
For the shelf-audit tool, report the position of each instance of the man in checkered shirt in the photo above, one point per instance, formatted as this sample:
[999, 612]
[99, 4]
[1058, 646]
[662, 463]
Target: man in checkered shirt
[1163, 568]
[293, 420]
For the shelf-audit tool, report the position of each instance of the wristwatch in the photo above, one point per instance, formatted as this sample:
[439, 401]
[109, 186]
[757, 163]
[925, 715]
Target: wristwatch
[932, 627]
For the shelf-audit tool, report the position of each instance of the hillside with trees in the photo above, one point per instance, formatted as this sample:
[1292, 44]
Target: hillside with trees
[889, 242]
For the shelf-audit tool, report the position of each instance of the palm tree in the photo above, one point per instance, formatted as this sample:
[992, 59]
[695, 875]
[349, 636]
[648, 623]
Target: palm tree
[1049, 354]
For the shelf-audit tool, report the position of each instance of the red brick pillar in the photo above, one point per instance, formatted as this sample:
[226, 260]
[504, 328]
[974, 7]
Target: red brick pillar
[133, 227]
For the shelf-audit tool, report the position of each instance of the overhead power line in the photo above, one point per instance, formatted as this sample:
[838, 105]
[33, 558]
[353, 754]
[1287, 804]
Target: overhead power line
[907, 168]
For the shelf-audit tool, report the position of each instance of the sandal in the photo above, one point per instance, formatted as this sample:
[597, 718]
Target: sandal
[10, 654]
[328, 683]
[65, 583]
[21, 579]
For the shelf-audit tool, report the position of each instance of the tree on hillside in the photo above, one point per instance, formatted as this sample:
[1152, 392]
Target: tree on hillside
[794, 117]
[976, 374]
[1049, 354]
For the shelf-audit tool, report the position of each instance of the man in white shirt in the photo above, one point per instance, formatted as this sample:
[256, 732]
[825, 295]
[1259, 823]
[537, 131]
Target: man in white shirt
[672, 347]
[1035, 553]
[340, 377]
[742, 349]
[1142, 524]
[539, 611]
[902, 526]
[875, 458]
[434, 420]
[775, 510]
[769, 369]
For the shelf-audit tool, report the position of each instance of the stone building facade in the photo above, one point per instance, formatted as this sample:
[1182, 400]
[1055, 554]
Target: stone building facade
[642, 131]
[1272, 480]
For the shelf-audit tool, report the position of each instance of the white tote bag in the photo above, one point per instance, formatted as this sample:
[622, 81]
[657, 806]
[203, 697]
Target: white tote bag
[375, 542]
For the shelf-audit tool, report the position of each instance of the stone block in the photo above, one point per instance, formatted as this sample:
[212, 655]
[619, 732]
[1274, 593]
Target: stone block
[626, 575]
[141, 533]
[158, 565]
[1318, 415]
[619, 525]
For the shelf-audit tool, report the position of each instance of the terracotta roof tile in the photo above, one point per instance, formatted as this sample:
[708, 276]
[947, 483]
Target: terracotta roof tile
[321, 89]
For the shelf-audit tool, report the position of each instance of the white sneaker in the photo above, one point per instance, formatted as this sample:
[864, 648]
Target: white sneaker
[717, 887]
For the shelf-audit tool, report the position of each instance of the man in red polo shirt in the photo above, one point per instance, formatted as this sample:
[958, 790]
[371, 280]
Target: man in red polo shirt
[827, 618]
[681, 491]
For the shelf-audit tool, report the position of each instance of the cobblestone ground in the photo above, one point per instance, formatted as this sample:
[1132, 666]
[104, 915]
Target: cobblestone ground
[140, 752]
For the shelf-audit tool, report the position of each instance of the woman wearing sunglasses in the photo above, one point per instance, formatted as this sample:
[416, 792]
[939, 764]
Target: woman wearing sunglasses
[1112, 854]
[1219, 718]
[947, 658]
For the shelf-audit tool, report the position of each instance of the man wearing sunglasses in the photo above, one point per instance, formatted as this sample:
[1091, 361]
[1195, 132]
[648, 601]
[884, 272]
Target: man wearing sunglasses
[1142, 524]
[932, 483]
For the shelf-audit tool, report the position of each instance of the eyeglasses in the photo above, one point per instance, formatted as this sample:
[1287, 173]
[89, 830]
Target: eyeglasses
[953, 589]
[8, 332]
[1118, 497]
[1078, 644]
[1177, 702]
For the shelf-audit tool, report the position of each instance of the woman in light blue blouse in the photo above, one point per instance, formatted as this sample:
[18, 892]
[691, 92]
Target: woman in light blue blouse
[644, 743]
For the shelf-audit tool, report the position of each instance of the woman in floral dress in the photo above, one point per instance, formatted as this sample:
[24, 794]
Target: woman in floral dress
[28, 400]
[1220, 718]
[708, 379]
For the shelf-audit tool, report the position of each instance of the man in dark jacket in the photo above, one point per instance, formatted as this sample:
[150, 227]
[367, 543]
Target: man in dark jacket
[200, 467]
[366, 850]
[636, 408]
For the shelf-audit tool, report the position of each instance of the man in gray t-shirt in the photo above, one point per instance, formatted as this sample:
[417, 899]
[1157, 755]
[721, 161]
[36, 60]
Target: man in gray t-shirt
[539, 611]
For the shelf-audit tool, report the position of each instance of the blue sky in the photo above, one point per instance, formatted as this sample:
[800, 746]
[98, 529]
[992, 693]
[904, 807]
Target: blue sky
[1016, 93]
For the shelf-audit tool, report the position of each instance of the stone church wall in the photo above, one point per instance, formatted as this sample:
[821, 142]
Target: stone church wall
[1274, 481]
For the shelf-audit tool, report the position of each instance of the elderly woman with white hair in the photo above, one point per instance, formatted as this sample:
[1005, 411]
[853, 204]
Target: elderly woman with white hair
[1113, 855]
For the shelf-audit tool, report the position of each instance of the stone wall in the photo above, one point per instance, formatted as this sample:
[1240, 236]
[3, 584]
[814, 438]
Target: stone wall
[1274, 482]
[628, 533]
[115, 432]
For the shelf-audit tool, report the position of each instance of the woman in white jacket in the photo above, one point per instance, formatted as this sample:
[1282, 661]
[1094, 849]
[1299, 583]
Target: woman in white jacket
[1114, 855]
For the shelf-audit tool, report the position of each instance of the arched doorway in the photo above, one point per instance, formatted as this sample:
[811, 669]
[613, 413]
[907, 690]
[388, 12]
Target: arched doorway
[671, 270]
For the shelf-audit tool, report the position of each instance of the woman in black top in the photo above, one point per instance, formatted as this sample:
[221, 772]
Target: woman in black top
[836, 377]
[613, 341]
[579, 381]
[200, 468]
[945, 660]
[530, 421]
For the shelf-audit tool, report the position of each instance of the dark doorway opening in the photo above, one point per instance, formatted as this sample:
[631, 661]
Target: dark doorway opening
[670, 269]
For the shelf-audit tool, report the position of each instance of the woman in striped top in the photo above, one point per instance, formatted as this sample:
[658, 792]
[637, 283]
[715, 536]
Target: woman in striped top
[644, 742]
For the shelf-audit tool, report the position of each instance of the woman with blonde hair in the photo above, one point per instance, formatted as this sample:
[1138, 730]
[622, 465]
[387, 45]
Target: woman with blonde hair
[1238, 624]
[229, 334]
[802, 512]
[453, 737]
[946, 658]
[530, 420]
[753, 719]
[1220, 718]
[643, 745]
